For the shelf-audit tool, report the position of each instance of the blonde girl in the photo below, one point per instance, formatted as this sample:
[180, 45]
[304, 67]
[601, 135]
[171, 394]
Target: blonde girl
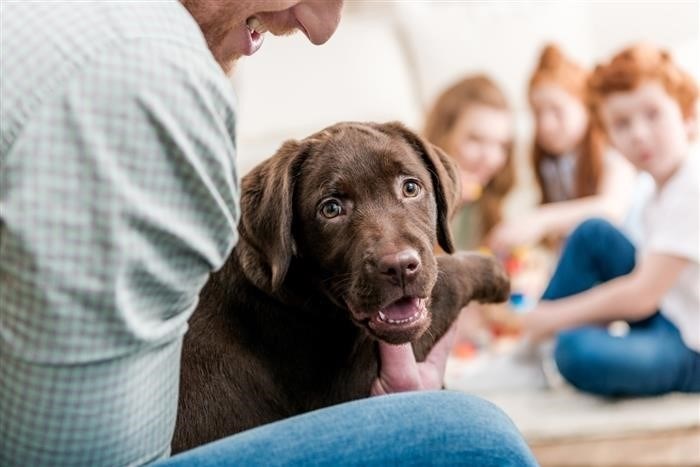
[471, 120]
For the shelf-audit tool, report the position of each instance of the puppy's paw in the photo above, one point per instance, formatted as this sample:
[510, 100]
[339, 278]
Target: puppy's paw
[488, 278]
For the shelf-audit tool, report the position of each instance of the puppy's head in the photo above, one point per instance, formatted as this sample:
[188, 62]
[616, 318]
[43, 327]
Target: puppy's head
[362, 205]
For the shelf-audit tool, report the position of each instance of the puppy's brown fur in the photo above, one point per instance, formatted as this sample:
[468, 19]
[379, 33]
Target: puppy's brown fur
[334, 229]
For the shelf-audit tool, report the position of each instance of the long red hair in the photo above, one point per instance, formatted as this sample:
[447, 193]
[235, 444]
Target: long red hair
[440, 122]
[555, 68]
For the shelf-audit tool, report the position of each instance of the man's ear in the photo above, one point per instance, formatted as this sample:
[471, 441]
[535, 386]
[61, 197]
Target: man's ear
[266, 244]
[445, 178]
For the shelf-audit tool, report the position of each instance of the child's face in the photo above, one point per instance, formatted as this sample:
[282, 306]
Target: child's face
[480, 140]
[561, 119]
[647, 126]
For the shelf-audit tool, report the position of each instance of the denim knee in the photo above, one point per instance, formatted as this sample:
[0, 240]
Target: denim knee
[591, 231]
[481, 431]
[584, 364]
[570, 355]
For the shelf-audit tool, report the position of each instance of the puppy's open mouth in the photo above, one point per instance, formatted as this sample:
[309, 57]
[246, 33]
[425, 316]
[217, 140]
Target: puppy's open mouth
[403, 311]
[401, 321]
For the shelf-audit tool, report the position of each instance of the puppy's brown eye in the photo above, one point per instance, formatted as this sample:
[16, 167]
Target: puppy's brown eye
[331, 209]
[410, 189]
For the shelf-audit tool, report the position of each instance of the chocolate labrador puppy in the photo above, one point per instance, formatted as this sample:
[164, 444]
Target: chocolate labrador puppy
[336, 251]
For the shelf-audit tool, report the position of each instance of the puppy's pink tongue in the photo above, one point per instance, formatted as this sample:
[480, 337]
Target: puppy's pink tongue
[401, 309]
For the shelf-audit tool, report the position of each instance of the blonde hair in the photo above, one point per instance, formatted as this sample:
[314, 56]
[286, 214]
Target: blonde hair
[638, 64]
[556, 69]
[441, 120]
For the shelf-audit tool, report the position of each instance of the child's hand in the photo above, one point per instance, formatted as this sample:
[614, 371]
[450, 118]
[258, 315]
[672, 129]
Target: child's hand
[539, 323]
[507, 236]
[471, 188]
[503, 319]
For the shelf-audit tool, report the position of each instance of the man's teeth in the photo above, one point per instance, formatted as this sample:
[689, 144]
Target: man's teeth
[254, 24]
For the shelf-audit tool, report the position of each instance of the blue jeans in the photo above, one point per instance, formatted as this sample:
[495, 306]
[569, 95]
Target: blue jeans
[415, 428]
[651, 359]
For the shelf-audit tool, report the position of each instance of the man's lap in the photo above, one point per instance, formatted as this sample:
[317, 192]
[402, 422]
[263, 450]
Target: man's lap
[417, 428]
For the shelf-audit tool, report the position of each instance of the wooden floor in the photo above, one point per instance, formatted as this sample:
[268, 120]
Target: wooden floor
[677, 448]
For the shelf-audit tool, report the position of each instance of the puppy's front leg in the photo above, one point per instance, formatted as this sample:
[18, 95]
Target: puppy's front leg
[462, 277]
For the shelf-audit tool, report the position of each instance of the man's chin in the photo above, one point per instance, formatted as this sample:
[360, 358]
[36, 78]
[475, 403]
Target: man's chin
[230, 66]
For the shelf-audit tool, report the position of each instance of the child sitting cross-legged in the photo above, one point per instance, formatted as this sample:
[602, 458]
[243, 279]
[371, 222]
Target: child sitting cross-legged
[647, 107]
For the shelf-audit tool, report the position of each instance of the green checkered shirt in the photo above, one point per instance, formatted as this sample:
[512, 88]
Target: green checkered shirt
[118, 196]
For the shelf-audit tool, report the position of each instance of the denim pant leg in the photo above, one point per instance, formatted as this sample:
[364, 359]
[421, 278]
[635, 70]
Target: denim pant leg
[416, 428]
[651, 359]
[595, 252]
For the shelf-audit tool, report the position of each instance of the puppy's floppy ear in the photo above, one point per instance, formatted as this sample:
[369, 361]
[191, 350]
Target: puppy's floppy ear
[444, 176]
[266, 244]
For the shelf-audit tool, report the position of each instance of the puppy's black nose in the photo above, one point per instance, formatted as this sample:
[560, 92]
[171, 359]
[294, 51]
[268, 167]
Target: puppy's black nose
[400, 267]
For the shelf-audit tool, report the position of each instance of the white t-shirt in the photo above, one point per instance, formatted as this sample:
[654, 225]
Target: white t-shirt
[671, 227]
[643, 191]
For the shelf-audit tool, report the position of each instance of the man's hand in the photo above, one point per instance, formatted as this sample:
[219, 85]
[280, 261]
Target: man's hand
[399, 371]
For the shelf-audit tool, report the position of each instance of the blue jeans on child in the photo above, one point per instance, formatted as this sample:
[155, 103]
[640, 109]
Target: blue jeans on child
[651, 359]
[416, 428]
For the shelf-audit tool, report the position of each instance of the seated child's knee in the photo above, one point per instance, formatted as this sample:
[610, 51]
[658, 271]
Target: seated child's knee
[591, 230]
[570, 355]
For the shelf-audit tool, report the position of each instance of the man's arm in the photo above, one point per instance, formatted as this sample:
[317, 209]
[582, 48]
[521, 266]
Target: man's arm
[118, 198]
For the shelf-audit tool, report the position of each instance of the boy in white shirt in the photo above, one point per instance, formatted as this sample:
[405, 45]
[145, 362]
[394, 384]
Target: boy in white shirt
[647, 106]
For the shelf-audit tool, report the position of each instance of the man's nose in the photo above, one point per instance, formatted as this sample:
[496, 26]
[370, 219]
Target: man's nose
[318, 18]
[401, 267]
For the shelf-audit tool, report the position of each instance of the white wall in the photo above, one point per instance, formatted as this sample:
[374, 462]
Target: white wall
[390, 58]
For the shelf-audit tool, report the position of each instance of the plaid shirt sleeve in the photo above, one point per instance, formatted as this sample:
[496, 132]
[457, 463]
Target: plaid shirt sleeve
[118, 196]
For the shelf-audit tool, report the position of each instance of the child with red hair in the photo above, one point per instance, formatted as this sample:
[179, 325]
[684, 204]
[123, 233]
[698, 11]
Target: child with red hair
[647, 106]
[578, 175]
